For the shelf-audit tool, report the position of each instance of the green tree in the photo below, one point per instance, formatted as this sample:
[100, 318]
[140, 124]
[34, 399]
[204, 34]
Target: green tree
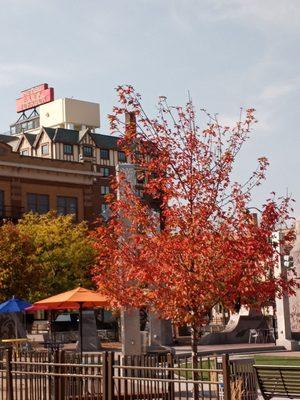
[44, 255]
[62, 248]
[20, 275]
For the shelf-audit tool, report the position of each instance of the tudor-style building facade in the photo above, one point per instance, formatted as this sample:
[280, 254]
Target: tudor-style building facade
[71, 145]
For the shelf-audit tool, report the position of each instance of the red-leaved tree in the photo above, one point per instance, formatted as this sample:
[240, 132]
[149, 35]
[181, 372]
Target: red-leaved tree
[202, 247]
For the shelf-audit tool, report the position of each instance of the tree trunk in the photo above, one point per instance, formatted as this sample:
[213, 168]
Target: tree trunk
[195, 375]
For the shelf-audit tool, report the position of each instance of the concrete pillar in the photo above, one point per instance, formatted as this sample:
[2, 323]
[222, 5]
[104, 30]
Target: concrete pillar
[130, 332]
[283, 323]
[283, 310]
[130, 319]
[295, 300]
[129, 172]
[160, 331]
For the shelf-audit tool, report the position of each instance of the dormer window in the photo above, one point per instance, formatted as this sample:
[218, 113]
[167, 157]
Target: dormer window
[25, 152]
[68, 149]
[45, 149]
[87, 151]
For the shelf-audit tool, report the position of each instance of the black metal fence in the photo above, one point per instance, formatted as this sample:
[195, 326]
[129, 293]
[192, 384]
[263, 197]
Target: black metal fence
[169, 377]
[64, 375]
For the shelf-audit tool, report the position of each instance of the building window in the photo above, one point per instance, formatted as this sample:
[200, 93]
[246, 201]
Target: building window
[104, 190]
[30, 125]
[121, 156]
[104, 171]
[25, 152]
[45, 149]
[67, 205]
[104, 154]
[1, 203]
[105, 211]
[37, 203]
[104, 207]
[140, 193]
[87, 151]
[68, 149]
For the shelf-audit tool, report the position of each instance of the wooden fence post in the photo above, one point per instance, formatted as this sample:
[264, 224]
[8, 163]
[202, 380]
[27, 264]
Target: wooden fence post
[56, 377]
[62, 385]
[105, 377]
[9, 376]
[170, 376]
[226, 376]
[49, 378]
[110, 376]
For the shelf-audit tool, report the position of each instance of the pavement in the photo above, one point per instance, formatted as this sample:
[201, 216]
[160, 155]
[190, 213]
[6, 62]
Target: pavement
[241, 348]
[268, 349]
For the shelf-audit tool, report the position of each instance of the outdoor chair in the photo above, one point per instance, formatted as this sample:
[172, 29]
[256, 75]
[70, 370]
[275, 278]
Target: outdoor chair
[26, 347]
[270, 335]
[253, 334]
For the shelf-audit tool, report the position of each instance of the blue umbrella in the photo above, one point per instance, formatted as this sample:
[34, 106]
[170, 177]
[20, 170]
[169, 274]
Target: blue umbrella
[14, 305]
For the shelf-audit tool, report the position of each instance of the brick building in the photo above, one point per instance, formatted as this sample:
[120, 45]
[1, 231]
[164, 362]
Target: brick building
[53, 159]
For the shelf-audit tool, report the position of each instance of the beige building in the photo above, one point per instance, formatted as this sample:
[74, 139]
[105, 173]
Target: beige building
[70, 114]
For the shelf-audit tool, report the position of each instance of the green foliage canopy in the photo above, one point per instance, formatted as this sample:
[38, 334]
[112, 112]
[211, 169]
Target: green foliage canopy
[44, 255]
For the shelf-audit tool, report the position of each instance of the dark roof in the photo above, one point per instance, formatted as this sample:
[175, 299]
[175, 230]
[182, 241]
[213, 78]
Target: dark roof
[71, 136]
[8, 138]
[30, 137]
[50, 132]
[68, 136]
[105, 141]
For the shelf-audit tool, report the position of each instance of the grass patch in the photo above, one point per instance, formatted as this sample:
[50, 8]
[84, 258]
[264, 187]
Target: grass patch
[276, 360]
[259, 359]
[202, 375]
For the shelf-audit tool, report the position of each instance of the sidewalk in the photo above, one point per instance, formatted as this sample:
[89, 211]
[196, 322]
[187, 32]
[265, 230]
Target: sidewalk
[240, 348]
[268, 349]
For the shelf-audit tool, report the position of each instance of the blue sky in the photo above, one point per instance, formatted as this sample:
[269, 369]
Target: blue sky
[228, 53]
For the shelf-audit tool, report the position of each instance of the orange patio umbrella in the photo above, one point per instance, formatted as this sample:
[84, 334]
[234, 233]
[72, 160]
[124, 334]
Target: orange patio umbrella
[78, 298]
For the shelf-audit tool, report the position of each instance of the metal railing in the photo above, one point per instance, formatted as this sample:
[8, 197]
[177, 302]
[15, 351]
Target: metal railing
[52, 376]
[3, 375]
[169, 377]
[62, 375]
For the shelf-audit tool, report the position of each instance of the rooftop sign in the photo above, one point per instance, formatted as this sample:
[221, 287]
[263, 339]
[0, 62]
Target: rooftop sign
[34, 97]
